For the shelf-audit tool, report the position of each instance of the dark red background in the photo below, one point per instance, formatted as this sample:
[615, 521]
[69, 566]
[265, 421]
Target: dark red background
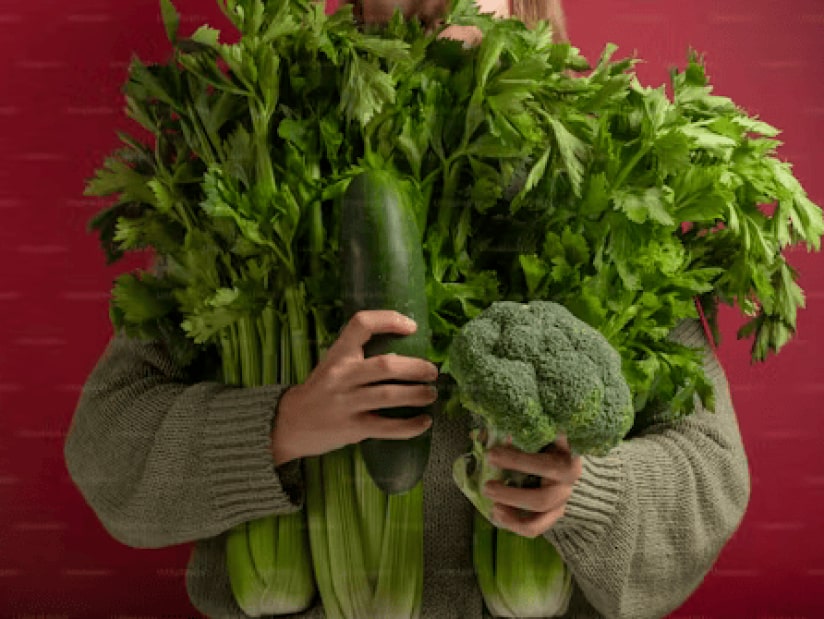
[60, 103]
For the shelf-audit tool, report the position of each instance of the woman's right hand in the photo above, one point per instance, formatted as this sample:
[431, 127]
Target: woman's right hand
[336, 404]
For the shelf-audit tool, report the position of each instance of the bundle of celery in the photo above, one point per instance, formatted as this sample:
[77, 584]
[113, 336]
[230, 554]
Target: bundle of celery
[539, 177]
[267, 562]
[237, 197]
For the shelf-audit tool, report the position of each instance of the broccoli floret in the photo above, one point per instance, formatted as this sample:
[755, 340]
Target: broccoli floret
[531, 371]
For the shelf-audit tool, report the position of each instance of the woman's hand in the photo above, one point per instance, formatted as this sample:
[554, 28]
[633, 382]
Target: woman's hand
[532, 511]
[335, 405]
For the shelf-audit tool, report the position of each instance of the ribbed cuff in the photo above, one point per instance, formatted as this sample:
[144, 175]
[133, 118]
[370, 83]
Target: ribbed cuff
[592, 505]
[244, 481]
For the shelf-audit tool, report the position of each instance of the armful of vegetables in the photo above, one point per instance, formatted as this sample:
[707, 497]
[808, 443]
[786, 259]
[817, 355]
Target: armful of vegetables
[531, 371]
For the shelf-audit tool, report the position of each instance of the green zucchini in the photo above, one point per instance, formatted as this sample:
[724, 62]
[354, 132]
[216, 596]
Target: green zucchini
[382, 267]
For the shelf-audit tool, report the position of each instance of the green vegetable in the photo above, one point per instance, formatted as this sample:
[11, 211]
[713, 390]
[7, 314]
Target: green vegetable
[367, 546]
[590, 190]
[530, 372]
[518, 576]
[542, 178]
[267, 560]
[382, 267]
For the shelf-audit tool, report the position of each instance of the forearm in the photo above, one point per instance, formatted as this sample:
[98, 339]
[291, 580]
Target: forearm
[645, 524]
[162, 460]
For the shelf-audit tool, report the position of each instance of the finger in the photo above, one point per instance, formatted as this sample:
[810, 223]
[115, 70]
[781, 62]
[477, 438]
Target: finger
[366, 323]
[393, 367]
[526, 524]
[555, 465]
[375, 397]
[542, 499]
[375, 426]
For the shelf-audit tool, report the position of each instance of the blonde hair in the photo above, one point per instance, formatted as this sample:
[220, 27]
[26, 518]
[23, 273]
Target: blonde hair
[532, 11]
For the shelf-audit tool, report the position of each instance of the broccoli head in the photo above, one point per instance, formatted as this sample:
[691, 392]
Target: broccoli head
[533, 370]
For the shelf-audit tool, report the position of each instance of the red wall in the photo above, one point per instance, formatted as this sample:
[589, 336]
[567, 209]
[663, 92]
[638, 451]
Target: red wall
[63, 64]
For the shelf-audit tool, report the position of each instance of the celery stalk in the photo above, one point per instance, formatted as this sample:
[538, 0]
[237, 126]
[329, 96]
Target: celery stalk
[367, 546]
[371, 509]
[345, 534]
[519, 576]
[483, 551]
[247, 585]
[400, 578]
[319, 538]
[262, 538]
[268, 560]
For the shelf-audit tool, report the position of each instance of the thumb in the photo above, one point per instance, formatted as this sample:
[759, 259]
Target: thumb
[561, 443]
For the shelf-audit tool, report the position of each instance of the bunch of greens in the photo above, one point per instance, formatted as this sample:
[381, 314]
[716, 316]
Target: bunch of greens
[630, 209]
[536, 175]
[538, 180]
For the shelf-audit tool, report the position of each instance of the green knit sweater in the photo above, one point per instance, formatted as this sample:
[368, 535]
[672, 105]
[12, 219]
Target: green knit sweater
[164, 457]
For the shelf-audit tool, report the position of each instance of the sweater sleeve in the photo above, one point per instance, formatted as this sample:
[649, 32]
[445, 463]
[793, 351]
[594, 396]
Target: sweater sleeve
[163, 459]
[645, 523]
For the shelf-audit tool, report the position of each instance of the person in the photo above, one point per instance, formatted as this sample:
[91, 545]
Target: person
[168, 456]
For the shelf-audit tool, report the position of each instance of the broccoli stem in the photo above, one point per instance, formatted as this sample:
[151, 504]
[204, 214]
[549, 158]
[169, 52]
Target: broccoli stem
[471, 470]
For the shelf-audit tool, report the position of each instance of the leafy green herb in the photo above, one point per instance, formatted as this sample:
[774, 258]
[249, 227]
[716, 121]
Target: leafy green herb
[538, 176]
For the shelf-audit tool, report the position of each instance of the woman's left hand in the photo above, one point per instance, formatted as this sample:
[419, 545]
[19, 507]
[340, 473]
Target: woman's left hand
[532, 511]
